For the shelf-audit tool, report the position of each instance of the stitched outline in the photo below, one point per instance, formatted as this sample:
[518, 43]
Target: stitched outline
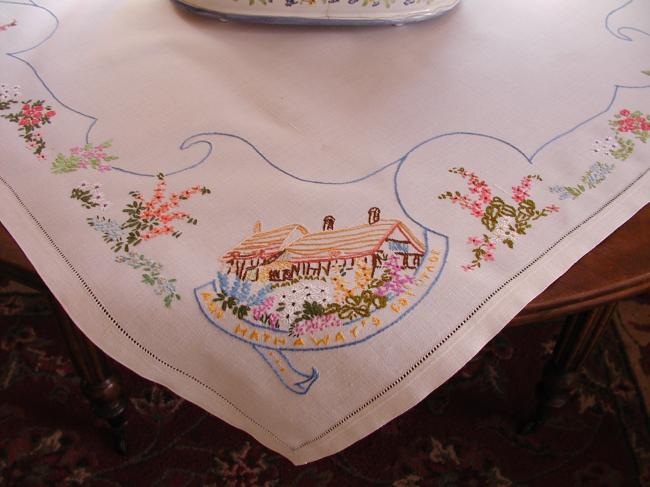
[370, 401]
[186, 143]
[619, 32]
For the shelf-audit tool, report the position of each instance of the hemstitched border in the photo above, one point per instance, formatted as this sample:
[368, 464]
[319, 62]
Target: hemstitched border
[370, 401]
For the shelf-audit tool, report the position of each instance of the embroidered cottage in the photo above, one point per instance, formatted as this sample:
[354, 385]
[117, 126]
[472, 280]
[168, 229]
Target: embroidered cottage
[291, 252]
[260, 249]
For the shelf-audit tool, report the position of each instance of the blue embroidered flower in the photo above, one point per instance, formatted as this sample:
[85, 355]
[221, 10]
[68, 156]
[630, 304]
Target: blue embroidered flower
[110, 228]
[597, 173]
[260, 296]
[234, 290]
[165, 286]
[223, 282]
[561, 191]
[244, 292]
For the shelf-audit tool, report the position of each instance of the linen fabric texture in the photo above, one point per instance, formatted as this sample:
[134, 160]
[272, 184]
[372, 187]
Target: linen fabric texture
[305, 231]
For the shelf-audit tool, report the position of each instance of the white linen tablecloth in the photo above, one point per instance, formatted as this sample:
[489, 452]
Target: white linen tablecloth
[307, 230]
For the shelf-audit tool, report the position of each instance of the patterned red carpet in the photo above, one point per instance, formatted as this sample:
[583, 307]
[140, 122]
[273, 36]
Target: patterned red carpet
[462, 435]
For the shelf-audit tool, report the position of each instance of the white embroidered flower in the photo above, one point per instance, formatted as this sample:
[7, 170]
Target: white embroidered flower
[291, 299]
[604, 147]
[504, 229]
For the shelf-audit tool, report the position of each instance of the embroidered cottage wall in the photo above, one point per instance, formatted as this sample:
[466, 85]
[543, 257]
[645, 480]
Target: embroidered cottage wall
[292, 252]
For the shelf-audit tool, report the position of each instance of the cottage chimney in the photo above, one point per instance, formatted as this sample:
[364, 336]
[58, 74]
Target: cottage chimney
[328, 223]
[257, 228]
[373, 215]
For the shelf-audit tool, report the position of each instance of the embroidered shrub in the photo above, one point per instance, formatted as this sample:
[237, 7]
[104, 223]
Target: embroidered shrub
[635, 123]
[504, 222]
[596, 174]
[152, 276]
[148, 219]
[238, 298]
[627, 122]
[86, 157]
[145, 218]
[30, 118]
[624, 122]
[394, 281]
[90, 196]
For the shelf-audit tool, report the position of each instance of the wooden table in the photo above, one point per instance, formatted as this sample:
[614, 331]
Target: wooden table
[585, 297]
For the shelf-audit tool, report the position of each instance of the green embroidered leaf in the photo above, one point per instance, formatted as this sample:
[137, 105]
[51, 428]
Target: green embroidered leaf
[62, 165]
[526, 208]
[147, 279]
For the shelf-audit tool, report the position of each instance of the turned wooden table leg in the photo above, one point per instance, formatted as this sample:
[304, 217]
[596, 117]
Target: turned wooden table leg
[578, 337]
[101, 386]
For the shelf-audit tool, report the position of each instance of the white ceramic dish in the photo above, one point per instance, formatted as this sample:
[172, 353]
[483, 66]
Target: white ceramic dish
[340, 12]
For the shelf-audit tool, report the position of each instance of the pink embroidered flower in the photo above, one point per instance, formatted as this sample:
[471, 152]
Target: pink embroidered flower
[632, 122]
[486, 195]
[273, 319]
[505, 223]
[317, 323]
[398, 281]
[262, 309]
[477, 209]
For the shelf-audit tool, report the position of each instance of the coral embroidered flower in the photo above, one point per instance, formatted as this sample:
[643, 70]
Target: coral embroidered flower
[151, 218]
